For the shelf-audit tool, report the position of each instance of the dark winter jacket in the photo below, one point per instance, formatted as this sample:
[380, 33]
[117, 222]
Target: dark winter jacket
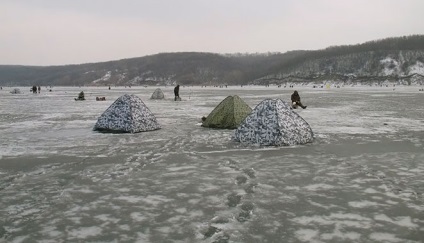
[295, 97]
[177, 90]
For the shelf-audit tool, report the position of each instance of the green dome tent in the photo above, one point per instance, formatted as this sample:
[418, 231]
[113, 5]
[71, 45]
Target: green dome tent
[228, 114]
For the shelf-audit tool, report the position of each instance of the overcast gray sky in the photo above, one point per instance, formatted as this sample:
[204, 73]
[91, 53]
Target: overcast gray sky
[56, 32]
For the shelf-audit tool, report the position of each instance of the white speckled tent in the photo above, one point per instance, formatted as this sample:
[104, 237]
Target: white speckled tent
[157, 94]
[16, 91]
[127, 114]
[274, 123]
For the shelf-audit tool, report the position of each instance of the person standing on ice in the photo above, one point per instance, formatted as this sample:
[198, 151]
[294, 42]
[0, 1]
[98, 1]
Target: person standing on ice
[177, 93]
[295, 98]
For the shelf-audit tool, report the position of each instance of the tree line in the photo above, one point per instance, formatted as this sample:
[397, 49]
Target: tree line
[211, 68]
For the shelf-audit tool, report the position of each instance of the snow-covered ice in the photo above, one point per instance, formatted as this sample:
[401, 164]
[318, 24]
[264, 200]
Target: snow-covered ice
[361, 180]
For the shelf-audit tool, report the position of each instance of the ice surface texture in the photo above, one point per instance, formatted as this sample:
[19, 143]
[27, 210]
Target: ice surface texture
[127, 114]
[274, 123]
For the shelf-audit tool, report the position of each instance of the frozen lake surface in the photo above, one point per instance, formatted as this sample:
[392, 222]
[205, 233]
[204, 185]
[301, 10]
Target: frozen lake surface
[361, 180]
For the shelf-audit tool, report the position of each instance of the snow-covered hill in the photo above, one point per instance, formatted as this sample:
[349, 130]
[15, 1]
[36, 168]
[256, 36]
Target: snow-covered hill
[403, 67]
[396, 60]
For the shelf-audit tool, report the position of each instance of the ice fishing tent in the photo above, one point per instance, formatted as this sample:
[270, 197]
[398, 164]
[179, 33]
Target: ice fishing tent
[158, 94]
[273, 123]
[16, 91]
[228, 114]
[127, 114]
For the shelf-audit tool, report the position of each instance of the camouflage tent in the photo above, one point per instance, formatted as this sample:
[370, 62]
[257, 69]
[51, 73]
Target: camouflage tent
[158, 94]
[228, 114]
[127, 114]
[274, 123]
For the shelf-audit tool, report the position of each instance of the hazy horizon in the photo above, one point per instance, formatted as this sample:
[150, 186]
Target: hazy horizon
[47, 32]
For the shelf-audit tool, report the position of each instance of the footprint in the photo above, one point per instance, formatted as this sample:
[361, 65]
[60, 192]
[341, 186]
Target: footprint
[250, 172]
[233, 199]
[249, 188]
[211, 231]
[241, 179]
[243, 216]
[247, 206]
[232, 164]
[132, 158]
[222, 239]
[3, 233]
[219, 220]
[247, 210]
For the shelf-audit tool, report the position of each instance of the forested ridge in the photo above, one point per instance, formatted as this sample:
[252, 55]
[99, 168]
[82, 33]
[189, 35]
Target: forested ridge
[396, 58]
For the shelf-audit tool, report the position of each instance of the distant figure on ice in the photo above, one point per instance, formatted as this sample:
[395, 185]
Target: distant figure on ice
[80, 96]
[109, 87]
[177, 93]
[39, 89]
[34, 89]
[295, 98]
